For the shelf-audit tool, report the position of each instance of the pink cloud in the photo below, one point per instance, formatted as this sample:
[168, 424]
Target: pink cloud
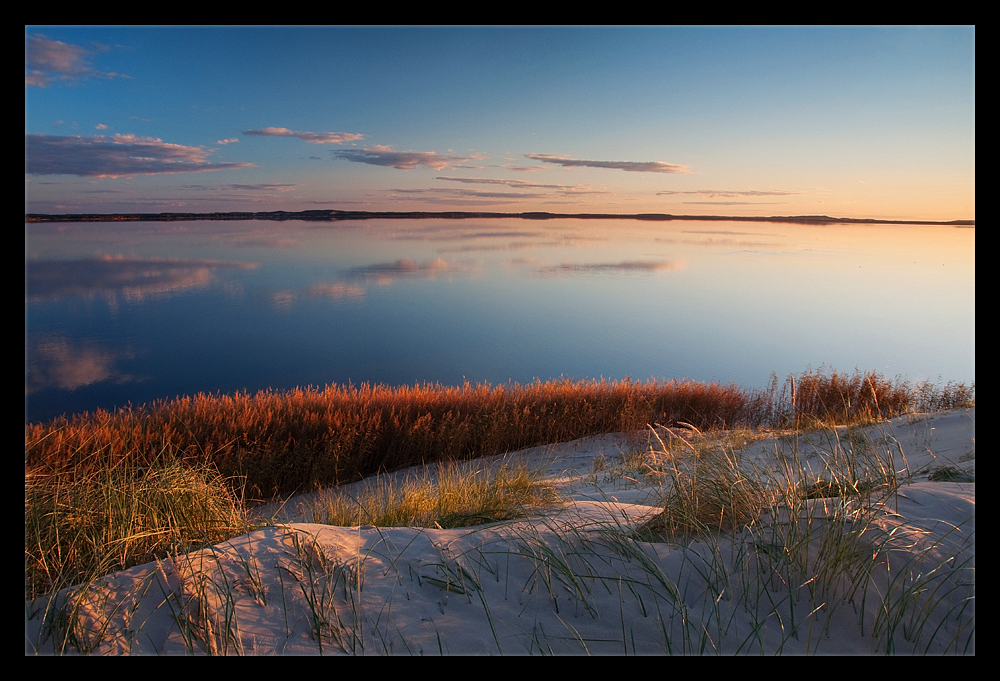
[115, 156]
[311, 137]
[384, 155]
[630, 166]
[52, 60]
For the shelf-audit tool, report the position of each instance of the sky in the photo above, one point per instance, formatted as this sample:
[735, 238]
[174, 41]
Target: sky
[867, 122]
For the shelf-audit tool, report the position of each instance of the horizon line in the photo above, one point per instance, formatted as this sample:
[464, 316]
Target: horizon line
[333, 215]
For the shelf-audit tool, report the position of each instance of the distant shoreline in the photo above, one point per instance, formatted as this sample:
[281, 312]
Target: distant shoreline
[334, 215]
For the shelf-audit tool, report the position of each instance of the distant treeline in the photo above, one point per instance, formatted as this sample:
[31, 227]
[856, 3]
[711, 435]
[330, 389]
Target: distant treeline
[331, 215]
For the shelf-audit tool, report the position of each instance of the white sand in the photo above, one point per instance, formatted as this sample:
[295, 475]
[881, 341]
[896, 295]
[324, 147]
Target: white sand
[567, 581]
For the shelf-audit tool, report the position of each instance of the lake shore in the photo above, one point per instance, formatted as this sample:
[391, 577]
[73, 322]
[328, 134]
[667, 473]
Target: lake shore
[332, 215]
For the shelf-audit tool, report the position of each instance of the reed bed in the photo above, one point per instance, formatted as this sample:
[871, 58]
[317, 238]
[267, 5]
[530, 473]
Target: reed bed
[247, 448]
[307, 438]
[279, 442]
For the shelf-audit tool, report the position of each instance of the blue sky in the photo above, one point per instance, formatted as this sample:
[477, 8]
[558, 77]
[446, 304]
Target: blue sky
[852, 122]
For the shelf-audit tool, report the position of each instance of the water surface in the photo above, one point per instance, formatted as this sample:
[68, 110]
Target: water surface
[119, 313]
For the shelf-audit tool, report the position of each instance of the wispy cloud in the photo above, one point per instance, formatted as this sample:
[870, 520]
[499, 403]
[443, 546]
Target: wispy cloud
[384, 155]
[524, 169]
[447, 193]
[311, 137]
[228, 140]
[522, 184]
[470, 196]
[630, 166]
[242, 187]
[727, 193]
[736, 203]
[46, 61]
[116, 156]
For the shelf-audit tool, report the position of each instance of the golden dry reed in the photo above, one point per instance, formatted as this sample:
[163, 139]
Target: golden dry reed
[303, 439]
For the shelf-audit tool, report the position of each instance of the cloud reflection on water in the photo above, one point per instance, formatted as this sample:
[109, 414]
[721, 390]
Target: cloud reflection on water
[132, 279]
[714, 241]
[605, 267]
[385, 273]
[55, 362]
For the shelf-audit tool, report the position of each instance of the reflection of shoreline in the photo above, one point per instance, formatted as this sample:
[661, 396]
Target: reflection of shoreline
[332, 215]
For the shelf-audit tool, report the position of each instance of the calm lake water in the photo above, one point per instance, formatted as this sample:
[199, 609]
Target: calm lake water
[119, 313]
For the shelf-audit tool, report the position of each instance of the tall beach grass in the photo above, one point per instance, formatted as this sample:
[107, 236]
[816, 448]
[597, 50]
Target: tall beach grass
[109, 490]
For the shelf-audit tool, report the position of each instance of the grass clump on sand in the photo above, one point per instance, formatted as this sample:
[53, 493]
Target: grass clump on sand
[84, 523]
[804, 541]
[453, 495]
[715, 492]
[711, 484]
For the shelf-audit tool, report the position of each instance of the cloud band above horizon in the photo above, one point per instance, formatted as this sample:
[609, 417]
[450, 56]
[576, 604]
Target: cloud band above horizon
[384, 155]
[725, 193]
[310, 137]
[115, 156]
[630, 166]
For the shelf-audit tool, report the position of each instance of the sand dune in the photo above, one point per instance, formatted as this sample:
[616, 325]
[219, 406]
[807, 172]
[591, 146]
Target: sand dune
[899, 577]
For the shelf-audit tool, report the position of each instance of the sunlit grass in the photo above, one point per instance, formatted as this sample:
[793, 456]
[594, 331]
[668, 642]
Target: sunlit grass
[309, 438]
[88, 522]
[109, 490]
[751, 554]
[452, 495]
[708, 483]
